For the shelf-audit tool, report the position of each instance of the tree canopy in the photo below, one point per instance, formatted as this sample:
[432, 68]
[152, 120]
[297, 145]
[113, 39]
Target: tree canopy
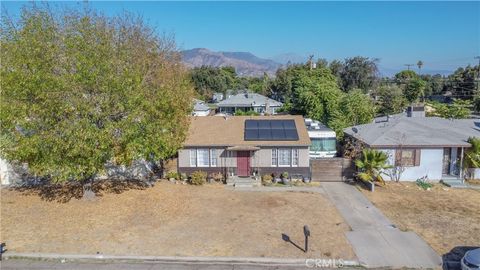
[80, 89]
[208, 80]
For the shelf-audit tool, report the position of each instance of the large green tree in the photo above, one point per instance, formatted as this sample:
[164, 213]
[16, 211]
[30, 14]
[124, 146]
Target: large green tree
[459, 109]
[208, 80]
[316, 94]
[359, 73]
[80, 89]
[391, 99]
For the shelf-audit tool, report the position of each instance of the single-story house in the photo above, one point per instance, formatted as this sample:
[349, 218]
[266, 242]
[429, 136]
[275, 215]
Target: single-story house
[200, 108]
[246, 146]
[419, 146]
[217, 97]
[247, 101]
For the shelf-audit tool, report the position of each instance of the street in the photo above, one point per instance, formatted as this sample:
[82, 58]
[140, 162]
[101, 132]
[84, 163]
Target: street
[12, 264]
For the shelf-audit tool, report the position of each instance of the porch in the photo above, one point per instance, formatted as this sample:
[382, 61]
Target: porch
[452, 165]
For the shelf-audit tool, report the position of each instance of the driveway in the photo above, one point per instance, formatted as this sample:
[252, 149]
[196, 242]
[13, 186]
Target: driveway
[375, 240]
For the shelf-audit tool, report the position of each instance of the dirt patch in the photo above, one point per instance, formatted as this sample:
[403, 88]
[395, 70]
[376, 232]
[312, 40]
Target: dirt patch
[174, 219]
[444, 217]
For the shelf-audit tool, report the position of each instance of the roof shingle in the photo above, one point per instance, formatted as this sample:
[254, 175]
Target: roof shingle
[229, 131]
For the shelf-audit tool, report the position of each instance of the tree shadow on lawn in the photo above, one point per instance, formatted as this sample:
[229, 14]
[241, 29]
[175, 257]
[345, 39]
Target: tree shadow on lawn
[63, 193]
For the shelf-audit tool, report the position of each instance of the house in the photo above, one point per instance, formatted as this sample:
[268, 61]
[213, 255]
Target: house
[324, 139]
[419, 146]
[246, 146]
[200, 108]
[247, 101]
[217, 97]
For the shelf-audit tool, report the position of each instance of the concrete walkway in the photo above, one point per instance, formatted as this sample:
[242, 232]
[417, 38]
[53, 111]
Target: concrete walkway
[375, 240]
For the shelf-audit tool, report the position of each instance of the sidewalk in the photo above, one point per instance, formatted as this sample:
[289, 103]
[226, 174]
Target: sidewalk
[375, 240]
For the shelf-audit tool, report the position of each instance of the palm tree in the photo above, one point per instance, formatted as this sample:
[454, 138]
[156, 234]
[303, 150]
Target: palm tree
[472, 156]
[372, 164]
[419, 65]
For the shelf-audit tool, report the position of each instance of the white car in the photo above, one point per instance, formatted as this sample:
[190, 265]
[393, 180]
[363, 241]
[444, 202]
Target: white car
[471, 260]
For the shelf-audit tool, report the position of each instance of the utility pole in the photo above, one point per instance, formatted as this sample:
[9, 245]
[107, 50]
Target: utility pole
[408, 66]
[310, 60]
[478, 74]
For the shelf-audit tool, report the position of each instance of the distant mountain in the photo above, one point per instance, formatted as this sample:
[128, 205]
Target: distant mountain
[390, 72]
[245, 63]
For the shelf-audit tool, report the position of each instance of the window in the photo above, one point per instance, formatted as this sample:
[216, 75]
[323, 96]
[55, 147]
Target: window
[407, 157]
[213, 157]
[274, 157]
[202, 158]
[284, 157]
[193, 157]
[323, 144]
[294, 157]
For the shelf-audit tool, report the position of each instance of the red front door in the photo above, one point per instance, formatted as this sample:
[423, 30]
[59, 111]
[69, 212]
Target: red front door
[243, 163]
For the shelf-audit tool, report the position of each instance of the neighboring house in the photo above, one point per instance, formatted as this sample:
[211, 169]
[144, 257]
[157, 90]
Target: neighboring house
[200, 108]
[324, 139]
[247, 101]
[419, 146]
[217, 97]
[246, 145]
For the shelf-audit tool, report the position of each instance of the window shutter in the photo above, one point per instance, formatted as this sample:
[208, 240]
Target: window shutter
[398, 157]
[417, 157]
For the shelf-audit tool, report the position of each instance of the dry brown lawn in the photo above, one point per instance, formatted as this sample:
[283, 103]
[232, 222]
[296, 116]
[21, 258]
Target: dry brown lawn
[444, 217]
[174, 219]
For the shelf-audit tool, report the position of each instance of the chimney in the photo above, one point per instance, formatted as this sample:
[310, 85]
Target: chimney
[416, 111]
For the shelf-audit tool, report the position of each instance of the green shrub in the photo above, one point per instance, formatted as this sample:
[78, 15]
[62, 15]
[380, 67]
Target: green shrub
[423, 184]
[173, 175]
[247, 113]
[284, 175]
[267, 179]
[198, 178]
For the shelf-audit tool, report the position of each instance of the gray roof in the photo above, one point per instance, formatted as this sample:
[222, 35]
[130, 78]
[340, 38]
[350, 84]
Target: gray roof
[417, 131]
[248, 100]
[199, 105]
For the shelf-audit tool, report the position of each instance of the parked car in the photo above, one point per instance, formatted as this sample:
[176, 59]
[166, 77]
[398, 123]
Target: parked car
[471, 260]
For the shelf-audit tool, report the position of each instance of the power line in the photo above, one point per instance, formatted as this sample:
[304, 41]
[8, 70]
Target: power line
[408, 66]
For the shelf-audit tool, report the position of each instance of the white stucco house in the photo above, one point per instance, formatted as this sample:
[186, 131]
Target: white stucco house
[419, 146]
[247, 101]
[200, 108]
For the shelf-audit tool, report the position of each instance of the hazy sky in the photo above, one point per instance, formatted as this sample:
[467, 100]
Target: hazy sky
[442, 34]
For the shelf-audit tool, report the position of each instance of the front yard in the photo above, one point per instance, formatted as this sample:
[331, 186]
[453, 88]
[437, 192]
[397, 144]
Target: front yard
[174, 219]
[444, 217]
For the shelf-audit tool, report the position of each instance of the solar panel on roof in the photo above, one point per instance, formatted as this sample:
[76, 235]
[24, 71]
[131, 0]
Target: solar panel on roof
[278, 134]
[291, 134]
[251, 134]
[264, 134]
[289, 125]
[276, 124]
[264, 124]
[251, 125]
[270, 130]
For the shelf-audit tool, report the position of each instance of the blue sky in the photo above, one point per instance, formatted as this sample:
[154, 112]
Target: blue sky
[444, 35]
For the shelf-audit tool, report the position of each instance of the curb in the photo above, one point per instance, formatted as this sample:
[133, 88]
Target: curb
[167, 259]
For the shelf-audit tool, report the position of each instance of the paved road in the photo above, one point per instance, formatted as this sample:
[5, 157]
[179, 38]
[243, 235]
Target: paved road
[375, 241]
[12, 264]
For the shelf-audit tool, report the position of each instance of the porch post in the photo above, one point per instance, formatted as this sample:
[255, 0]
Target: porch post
[461, 165]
